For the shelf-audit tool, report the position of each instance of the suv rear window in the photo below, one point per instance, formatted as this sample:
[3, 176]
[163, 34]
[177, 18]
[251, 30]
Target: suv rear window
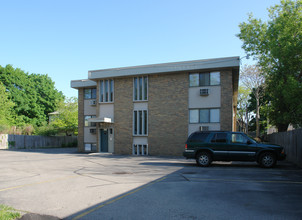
[198, 137]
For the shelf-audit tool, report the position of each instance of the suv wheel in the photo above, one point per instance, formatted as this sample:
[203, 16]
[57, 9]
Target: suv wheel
[203, 159]
[267, 160]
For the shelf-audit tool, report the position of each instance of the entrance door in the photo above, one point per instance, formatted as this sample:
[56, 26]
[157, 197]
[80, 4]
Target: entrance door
[104, 140]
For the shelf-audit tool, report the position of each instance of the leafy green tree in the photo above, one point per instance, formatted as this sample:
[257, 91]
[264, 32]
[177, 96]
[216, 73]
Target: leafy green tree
[253, 79]
[277, 47]
[67, 118]
[243, 115]
[48, 97]
[263, 110]
[34, 95]
[6, 109]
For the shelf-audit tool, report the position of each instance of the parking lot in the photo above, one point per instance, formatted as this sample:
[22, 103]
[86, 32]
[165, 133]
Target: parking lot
[62, 183]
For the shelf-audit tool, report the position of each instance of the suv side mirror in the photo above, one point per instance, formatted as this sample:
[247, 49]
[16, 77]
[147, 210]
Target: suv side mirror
[249, 142]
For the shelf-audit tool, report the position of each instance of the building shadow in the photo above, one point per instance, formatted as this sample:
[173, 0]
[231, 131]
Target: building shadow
[203, 179]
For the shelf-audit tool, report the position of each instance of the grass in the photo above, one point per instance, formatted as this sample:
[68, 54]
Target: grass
[8, 213]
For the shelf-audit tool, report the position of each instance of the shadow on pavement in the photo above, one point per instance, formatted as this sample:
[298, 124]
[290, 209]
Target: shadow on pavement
[216, 193]
[47, 150]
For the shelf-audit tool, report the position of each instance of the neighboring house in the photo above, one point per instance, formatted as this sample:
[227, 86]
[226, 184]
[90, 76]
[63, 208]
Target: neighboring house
[151, 109]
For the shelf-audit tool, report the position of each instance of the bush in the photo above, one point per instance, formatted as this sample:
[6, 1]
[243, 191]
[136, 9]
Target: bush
[28, 130]
[4, 129]
[72, 144]
[46, 130]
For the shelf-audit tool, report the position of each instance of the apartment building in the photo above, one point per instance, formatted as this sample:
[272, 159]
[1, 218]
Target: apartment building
[151, 109]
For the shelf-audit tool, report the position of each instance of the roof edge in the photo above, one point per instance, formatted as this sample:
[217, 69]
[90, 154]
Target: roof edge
[165, 67]
[82, 83]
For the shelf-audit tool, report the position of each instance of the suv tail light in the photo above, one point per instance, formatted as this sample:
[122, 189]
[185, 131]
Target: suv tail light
[186, 147]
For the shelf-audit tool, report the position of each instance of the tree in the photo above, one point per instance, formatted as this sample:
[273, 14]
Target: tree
[48, 96]
[243, 115]
[252, 78]
[6, 110]
[263, 110]
[277, 47]
[67, 118]
[34, 95]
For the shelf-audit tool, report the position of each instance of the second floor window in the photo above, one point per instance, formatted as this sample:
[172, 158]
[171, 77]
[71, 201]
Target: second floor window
[204, 115]
[204, 79]
[140, 122]
[90, 93]
[140, 88]
[106, 90]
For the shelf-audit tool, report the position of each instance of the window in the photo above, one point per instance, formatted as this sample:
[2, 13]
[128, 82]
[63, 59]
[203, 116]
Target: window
[90, 147]
[89, 124]
[90, 93]
[204, 79]
[140, 122]
[140, 88]
[140, 149]
[239, 138]
[194, 116]
[194, 79]
[106, 90]
[219, 138]
[204, 115]
[198, 137]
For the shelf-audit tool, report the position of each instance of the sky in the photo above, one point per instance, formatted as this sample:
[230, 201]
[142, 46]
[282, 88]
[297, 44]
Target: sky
[66, 38]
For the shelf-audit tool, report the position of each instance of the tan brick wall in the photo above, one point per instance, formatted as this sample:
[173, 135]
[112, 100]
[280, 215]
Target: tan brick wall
[123, 110]
[226, 111]
[81, 120]
[98, 115]
[168, 113]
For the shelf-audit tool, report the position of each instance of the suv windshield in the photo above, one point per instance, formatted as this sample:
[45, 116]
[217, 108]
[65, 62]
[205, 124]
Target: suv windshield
[253, 140]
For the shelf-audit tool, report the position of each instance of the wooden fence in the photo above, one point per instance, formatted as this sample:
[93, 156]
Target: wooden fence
[8, 141]
[292, 143]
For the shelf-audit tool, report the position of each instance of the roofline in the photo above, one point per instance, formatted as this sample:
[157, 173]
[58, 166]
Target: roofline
[82, 83]
[165, 67]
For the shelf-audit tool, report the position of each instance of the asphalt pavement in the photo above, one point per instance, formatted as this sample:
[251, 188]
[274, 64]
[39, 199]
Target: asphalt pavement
[63, 184]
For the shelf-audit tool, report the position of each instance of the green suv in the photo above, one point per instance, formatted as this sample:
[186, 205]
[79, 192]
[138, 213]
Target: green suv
[208, 146]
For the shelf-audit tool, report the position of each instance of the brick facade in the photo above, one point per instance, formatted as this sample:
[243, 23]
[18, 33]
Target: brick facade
[81, 147]
[167, 105]
[168, 113]
[226, 109]
[123, 111]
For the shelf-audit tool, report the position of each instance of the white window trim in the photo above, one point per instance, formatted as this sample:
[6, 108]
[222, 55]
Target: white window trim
[209, 116]
[104, 92]
[138, 123]
[209, 79]
[138, 90]
[140, 149]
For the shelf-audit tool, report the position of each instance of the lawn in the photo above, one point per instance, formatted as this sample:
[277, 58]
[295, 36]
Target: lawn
[8, 213]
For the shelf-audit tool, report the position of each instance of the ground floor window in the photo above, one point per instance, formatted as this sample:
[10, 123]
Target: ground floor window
[90, 147]
[140, 149]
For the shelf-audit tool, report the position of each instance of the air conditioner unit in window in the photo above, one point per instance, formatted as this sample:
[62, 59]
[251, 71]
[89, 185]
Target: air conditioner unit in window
[92, 131]
[92, 102]
[204, 92]
[204, 128]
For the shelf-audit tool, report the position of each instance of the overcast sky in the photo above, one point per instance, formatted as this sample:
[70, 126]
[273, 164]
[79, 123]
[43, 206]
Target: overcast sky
[65, 39]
